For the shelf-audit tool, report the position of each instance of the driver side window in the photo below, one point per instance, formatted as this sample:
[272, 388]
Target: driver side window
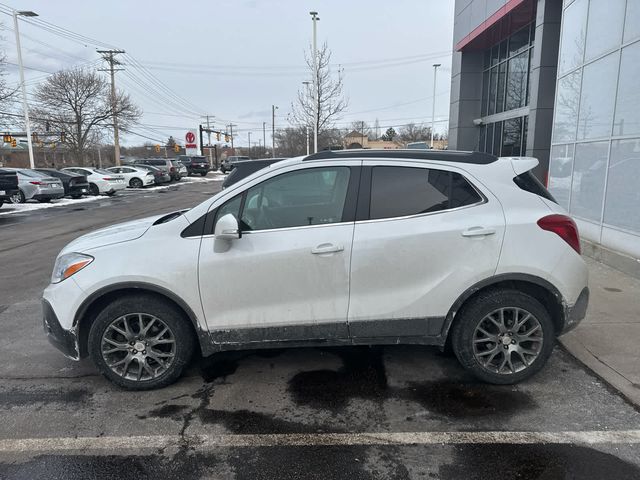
[313, 196]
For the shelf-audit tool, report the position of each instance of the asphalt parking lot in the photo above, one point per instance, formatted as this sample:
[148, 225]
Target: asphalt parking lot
[384, 412]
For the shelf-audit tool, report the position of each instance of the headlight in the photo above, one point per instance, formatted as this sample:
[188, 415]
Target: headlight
[69, 264]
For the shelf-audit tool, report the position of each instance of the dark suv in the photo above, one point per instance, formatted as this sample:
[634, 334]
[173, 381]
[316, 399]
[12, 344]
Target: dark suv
[164, 164]
[195, 164]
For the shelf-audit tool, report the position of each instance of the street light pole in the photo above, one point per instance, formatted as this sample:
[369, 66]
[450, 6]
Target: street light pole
[273, 131]
[264, 136]
[249, 135]
[24, 13]
[316, 87]
[433, 106]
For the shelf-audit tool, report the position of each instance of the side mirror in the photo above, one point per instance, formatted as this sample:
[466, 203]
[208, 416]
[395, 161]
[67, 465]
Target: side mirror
[227, 227]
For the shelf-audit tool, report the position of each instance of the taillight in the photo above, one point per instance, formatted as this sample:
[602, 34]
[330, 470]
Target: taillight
[36, 183]
[172, 169]
[564, 227]
[108, 179]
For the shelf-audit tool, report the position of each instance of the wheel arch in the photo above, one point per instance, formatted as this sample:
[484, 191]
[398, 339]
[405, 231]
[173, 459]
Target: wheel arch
[539, 288]
[98, 300]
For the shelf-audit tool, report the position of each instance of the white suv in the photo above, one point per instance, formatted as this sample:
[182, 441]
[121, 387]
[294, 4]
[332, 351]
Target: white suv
[351, 247]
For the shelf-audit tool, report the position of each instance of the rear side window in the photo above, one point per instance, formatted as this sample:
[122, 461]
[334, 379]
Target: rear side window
[402, 191]
[528, 182]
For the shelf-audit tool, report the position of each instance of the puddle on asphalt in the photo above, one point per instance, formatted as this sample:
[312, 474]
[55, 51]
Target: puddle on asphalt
[174, 412]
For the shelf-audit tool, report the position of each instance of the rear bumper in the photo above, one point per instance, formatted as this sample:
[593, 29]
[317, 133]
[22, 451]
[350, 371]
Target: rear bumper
[79, 189]
[64, 340]
[47, 196]
[574, 314]
[198, 169]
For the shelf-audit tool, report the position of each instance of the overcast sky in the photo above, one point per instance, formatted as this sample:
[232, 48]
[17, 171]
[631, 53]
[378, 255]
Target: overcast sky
[233, 59]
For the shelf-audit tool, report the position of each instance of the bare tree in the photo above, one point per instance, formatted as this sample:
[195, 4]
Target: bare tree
[414, 133]
[331, 102]
[78, 102]
[6, 93]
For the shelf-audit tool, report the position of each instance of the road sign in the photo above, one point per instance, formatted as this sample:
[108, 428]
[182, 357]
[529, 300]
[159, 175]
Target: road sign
[191, 143]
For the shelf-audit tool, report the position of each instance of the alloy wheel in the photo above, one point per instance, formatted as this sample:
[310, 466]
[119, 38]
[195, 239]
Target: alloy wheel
[507, 340]
[138, 346]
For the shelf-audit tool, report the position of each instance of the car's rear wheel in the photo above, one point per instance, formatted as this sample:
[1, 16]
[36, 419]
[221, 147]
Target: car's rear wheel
[44, 200]
[18, 197]
[503, 336]
[203, 174]
[93, 189]
[135, 183]
[141, 342]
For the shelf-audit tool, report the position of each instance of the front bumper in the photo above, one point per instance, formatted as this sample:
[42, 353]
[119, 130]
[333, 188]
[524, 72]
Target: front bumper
[64, 340]
[574, 314]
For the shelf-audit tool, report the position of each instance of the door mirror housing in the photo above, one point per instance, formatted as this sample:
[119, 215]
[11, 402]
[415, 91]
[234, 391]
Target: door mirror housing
[227, 227]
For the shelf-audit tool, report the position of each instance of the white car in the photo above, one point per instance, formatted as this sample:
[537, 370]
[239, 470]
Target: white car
[350, 247]
[100, 181]
[134, 177]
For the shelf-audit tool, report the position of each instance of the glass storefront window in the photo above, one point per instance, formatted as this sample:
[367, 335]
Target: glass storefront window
[587, 187]
[627, 121]
[507, 138]
[502, 76]
[567, 104]
[517, 81]
[597, 97]
[560, 169]
[622, 203]
[512, 138]
[573, 36]
[518, 41]
[604, 35]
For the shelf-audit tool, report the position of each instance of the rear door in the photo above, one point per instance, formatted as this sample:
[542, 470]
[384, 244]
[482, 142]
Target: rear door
[424, 235]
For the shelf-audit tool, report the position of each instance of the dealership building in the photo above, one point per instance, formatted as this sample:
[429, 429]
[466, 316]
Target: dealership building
[559, 81]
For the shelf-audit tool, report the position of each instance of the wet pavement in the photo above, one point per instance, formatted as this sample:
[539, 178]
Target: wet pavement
[397, 412]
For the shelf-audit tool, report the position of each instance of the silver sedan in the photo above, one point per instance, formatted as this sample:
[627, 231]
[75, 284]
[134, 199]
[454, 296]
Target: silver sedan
[36, 186]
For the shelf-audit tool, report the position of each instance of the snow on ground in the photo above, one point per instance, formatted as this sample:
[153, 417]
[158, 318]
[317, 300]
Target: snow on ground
[30, 206]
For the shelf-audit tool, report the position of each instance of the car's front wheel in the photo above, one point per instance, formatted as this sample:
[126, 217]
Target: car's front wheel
[141, 342]
[135, 183]
[503, 336]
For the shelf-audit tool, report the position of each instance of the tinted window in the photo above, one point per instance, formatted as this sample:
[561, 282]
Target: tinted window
[231, 206]
[528, 182]
[401, 191]
[157, 162]
[308, 197]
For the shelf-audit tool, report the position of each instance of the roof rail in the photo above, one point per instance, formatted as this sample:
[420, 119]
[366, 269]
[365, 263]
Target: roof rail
[478, 158]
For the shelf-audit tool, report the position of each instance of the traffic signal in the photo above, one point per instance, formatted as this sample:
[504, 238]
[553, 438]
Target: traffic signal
[176, 148]
[218, 136]
[226, 138]
[7, 138]
[14, 143]
[157, 148]
[63, 137]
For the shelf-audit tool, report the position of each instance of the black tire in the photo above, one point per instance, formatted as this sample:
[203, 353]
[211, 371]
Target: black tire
[76, 197]
[94, 190]
[159, 307]
[1, 203]
[44, 200]
[110, 194]
[135, 183]
[18, 198]
[476, 310]
[203, 174]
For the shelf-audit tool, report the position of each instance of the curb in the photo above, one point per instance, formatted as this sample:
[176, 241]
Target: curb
[627, 389]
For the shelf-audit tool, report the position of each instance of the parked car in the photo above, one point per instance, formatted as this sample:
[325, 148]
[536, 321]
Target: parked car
[160, 175]
[8, 185]
[195, 164]
[164, 163]
[74, 185]
[100, 181]
[182, 170]
[352, 247]
[228, 163]
[134, 176]
[34, 185]
[245, 168]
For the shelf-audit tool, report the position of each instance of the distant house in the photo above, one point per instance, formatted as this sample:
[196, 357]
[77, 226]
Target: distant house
[356, 139]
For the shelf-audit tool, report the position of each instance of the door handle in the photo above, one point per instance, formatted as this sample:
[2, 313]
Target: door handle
[326, 248]
[478, 232]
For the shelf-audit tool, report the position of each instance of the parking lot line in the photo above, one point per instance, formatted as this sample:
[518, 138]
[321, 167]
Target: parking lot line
[209, 442]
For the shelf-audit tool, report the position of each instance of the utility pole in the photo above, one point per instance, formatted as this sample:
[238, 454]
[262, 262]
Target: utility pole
[22, 84]
[249, 135]
[99, 158]
[307, 127]
[109, 56]
[316, 87]
[306, 84]
[433, 106]
[209, 138]
[273, 131]
[264, 135]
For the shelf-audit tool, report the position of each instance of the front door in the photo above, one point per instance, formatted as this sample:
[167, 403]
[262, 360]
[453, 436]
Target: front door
[287, 278]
